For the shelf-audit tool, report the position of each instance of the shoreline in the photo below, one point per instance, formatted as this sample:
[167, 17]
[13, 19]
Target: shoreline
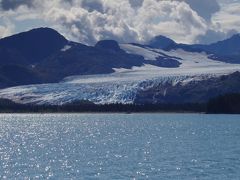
[124, 113]
[219, 105]
[121, 113]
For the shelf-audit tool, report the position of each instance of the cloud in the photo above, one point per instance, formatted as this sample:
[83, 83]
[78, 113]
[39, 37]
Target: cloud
[88, 21]
[212, 36]
[204, 8]
[224, 21]
[229, 17]
[92, 5]
[14, 4]
[6, 29]
[136, 3]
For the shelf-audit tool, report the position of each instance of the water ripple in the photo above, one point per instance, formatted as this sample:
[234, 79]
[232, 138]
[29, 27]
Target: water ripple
[118, 146]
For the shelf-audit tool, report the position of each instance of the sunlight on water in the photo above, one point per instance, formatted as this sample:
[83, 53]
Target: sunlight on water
[118, 146]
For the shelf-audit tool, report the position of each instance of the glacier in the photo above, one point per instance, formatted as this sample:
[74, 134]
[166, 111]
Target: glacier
[123, 85]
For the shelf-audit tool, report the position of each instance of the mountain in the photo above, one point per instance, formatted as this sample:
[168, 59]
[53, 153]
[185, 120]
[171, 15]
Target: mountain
[14, 75]
[42, 67]
[226, 47]
[108, 45]
[86, 60]
[32, 46]
[197, 91]
[227, 50]
[20, 53]
[161, 42]
[49, 57]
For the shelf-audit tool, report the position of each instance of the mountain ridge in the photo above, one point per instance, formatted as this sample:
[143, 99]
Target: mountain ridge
[225, 49]
[42, 66]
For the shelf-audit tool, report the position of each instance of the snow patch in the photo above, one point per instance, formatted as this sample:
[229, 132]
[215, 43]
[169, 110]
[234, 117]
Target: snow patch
[65, 48]
[147, 54]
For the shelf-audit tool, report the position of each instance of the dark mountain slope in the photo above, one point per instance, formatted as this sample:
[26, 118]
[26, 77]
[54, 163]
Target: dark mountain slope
[85, 60]
[161, 42]
[32, 46]
[227, 50]
[48, 57]
[226, 47]
[14, 75]
[43, 55]
[21, 52]
[195, 91]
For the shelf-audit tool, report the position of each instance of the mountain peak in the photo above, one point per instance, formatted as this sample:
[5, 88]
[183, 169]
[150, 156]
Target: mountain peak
[227, 47]
[35, 44]
[235, 36]
[108, 45]
[42, 32]
[42, 29]
[161, 42]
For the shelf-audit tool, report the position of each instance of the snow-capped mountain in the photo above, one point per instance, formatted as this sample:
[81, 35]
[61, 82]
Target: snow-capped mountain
[116, 73]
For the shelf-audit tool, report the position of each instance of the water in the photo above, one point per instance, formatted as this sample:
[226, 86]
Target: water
[118, 146]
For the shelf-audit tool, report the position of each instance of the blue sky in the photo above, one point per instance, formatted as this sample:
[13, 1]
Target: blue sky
[87, 21]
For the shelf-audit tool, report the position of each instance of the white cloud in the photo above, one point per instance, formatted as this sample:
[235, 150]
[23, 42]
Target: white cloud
[229, 17]
[119, 20]
[4, 31]
[204, 8]
[212, 36]
[125, 20]
[6, 27]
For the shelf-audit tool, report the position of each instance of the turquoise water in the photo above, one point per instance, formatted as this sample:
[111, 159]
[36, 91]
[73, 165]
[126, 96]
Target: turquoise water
[119, 146]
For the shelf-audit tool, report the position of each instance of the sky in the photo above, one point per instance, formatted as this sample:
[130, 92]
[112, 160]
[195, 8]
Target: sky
[88, 21]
